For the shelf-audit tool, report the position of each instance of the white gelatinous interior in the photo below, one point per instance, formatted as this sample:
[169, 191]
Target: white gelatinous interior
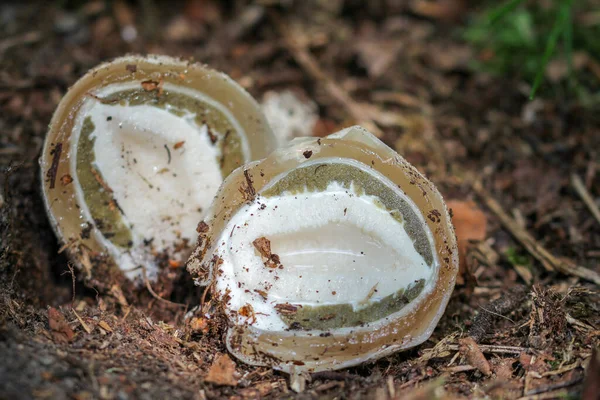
[334, 246]
[289, 116]
[162, 190]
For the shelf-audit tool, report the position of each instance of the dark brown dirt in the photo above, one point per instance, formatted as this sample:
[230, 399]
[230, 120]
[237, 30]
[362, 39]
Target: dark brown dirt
[456, 125]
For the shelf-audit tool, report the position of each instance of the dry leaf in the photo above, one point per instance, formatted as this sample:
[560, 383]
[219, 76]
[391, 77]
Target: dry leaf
[222, 371]
[471, 351]
[61, 331]
[503, 368]
[469, 224]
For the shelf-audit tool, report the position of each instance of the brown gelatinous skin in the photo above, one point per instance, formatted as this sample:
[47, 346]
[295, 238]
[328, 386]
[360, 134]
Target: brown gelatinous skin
[60, 199]
[316, 350]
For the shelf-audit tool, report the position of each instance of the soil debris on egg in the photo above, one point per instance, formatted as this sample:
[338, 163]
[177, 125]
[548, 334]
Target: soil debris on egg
[343, 256]
[136, 150]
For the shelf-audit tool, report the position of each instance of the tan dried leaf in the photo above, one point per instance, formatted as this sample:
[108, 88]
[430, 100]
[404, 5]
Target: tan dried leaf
[222, 371]
[469, 223]
[471, 351]
[60, 329]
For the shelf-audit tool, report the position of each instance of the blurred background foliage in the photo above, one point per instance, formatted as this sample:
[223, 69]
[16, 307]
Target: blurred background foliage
[554, 44]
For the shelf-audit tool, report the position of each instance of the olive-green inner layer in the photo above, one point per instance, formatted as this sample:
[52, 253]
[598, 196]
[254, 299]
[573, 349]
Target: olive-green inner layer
[317, 177]
[103, 208]
[342, 315]
[100, 202]
[228, 138]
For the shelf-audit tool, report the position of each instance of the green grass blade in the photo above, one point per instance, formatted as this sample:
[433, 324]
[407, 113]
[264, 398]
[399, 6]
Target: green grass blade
[562, 18]
[499, 13]
[568, 39]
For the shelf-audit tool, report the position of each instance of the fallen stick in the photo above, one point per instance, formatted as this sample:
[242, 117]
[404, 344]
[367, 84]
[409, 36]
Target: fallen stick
[539, 252]
[585, 196]
[311, 66]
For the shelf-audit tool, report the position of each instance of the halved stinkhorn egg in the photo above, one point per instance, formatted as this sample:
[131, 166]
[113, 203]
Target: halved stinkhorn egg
[328, 253]
[135, 153]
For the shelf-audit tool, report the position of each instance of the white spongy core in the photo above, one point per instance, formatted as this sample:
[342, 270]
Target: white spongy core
[335, 246]
[162, 197]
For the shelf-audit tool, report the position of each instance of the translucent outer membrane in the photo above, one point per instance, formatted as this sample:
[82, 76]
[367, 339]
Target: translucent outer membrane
[314, 350]
[83, 241]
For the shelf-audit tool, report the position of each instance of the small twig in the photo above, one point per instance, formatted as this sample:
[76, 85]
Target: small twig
[72, 271]
[168, 154]
[154, 294]
[558, 394]
[562, 370]
[585, 196]
[203, 298]
[82, 322]
[312, 68]
[494, 349]
[483, 322]
[554, 386]
[459, 368]
[26, 38]
[539, 252]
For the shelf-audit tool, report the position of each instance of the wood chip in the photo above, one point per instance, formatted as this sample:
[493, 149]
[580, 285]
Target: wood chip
[105, 326]
[263, 245]
[150, 85]
[222, 371]
[85, 326]
[286, 309]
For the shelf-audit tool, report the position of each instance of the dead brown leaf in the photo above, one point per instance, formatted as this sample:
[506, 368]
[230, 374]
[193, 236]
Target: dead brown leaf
[222, 371]
[61, 331]
[503, 368]
[469, 224]
[471, 351]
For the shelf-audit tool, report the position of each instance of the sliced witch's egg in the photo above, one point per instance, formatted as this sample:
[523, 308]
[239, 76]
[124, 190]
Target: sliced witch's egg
[135, 153]
[328, 253]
